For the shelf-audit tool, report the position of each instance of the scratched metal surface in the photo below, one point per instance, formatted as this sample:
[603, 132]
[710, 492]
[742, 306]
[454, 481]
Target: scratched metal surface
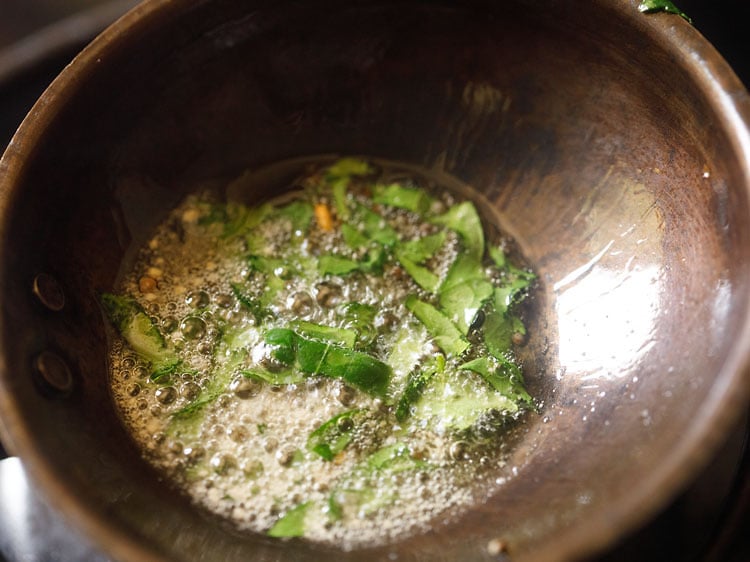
[704, 523]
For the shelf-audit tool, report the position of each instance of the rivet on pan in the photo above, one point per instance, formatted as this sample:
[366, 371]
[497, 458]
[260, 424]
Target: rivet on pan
[49, 292]
[498, 549]
[53, 374]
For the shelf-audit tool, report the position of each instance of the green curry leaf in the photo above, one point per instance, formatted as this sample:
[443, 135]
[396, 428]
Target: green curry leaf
[651, 6]
[464, 291]
[341, 336]
[464, 220]
[418, 380]
[324, 358]
[444, 332]
[514, 280]
[396, 195]
[503, 375]
[421, 249]
[292, 523]
[421, 275]
[299, 213]
[334, 435]
[337, 265]
[347, 167]
[143, 336]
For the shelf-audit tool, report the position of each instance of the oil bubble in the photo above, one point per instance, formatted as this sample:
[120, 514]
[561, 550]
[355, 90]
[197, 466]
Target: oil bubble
[285, 455]
[244, 387]
[169, 324]
[193, 328]
[238, 434]
[197, 299]
[190, 390]
[165, 395]
[222, 463]
[252, 469]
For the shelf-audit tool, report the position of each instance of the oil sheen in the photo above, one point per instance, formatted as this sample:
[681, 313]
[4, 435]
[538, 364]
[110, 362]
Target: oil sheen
[317, 380]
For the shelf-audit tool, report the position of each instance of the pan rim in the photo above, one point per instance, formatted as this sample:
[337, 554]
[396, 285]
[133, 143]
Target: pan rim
[727, 399]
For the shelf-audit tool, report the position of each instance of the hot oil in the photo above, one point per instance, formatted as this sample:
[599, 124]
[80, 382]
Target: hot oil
[245, 456]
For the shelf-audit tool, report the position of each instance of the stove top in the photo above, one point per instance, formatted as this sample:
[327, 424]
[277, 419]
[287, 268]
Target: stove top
[30, 530]
[708, 522]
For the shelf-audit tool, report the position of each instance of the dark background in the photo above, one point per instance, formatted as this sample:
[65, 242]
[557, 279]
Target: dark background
[19, 18]
[726, 24]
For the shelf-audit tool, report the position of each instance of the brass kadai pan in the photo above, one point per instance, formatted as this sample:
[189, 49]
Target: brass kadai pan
[613, 145]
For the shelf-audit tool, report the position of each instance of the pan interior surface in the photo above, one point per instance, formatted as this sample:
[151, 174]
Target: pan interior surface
[587, 138]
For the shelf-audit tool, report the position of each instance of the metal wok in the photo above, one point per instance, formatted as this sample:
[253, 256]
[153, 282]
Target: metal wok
[613, 145]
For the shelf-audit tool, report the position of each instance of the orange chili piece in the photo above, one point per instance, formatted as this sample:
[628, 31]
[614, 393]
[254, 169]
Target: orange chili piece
[323, 216]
